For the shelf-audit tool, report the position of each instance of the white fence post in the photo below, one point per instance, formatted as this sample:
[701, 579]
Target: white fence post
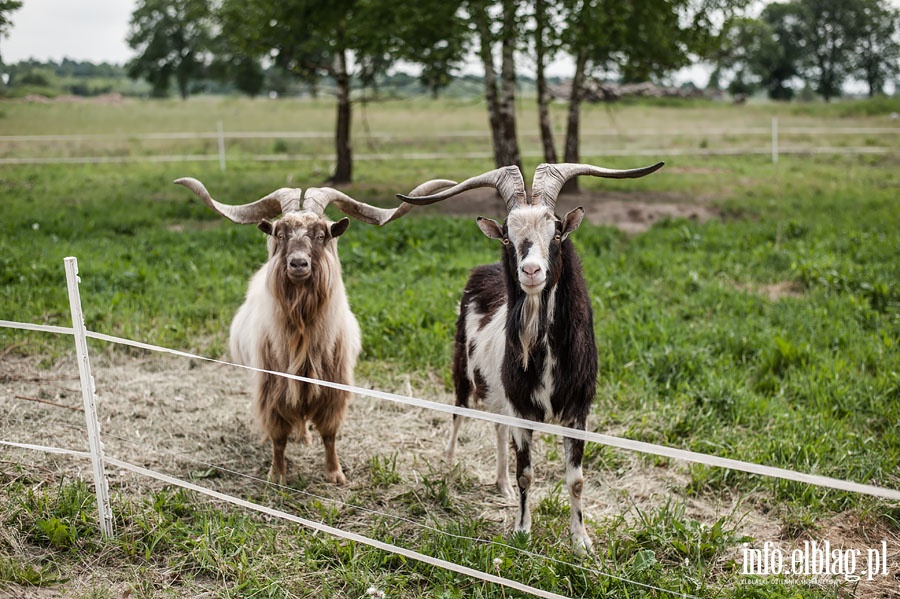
[774, 140]
[221, 147]
[88, 390]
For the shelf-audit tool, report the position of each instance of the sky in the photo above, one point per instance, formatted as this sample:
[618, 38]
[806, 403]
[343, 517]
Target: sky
[92, 30]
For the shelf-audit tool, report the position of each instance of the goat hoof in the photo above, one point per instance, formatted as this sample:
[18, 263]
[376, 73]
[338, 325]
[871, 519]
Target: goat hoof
[506, 490]
[275, 477]
[337, 477]
[581, 545]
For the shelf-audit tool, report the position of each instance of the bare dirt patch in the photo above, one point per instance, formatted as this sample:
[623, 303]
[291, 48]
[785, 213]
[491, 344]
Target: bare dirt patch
[773, 291]
[632, 212]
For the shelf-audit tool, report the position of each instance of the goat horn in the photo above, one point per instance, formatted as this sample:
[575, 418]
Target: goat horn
[506, 180]
[278, 202]
[550, 178]
[426, 188]
[318, 198]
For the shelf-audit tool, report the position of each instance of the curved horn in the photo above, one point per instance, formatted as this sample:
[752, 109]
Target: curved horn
[318, 198]
[506, 180]
[424, 189]
[278, 202]
[550, 178]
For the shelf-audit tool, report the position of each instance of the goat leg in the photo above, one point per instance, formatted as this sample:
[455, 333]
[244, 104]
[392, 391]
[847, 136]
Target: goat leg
[575, 483]
[524, 475]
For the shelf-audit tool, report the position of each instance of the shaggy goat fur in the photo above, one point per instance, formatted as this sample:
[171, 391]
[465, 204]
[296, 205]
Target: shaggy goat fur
[301, 326]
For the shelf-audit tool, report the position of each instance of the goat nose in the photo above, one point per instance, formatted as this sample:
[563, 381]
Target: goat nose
[299, 263]
[531, 269]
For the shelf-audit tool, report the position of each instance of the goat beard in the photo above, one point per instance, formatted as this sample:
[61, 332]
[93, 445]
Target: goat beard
[301, 304]
[530, 325]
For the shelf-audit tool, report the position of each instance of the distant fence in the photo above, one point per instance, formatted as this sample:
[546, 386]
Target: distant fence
[99, 459]
[131, 148]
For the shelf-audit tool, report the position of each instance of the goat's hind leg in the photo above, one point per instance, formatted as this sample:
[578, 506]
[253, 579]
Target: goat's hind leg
[303, 434]
[503, 484]
[463, 387]
[581, 542]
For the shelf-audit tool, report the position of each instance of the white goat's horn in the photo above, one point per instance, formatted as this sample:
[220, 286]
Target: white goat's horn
[506, 180]
[550, 178]
[278, 202]
[318, 198]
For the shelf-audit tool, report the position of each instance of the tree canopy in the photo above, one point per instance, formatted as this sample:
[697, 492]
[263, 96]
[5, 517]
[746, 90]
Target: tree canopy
[172, 39]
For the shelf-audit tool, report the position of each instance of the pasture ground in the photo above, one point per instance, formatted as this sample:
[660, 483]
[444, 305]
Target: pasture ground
[739, 311]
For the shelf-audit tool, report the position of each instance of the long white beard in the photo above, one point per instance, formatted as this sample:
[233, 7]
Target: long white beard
[531, 325]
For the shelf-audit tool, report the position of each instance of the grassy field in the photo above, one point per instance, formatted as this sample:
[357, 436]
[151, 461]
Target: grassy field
[769, 334]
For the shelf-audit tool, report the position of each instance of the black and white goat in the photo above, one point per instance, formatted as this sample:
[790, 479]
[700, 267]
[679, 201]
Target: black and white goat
[525, 335]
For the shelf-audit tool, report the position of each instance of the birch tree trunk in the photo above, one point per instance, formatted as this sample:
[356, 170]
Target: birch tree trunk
[540, 18]
[501, 105]
[510, 149]
[573, 153]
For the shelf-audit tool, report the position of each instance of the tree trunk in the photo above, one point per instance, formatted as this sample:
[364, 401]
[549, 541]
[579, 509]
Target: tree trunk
[510, 152]
[343, 170]
[183, 87]
[482, 25]
[501, 105]
[543, 110]
[573, 125]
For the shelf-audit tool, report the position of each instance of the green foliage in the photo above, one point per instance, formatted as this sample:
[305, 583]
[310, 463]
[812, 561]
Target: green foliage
[170, 39]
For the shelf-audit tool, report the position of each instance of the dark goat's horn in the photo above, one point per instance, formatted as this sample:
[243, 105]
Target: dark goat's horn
[278, 202]
[550, 178]
[506, 180]
[318, 198]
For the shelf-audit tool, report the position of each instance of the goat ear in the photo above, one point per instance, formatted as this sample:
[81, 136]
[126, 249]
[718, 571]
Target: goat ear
[490, 227]
[572, 221]
[338, 228]
[266, 226]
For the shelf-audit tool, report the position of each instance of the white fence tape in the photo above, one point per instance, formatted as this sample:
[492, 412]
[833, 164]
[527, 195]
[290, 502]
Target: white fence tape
[610, 440]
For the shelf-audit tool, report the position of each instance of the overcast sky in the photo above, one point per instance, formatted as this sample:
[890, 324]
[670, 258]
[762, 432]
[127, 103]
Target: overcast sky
[91, 30]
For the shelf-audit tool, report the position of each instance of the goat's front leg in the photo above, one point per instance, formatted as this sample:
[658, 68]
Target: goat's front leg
[575, 482]
[333, 472]
[524, 475]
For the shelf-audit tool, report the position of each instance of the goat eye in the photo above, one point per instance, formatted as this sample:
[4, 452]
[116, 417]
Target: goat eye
[321, 236]
[506, 241]
[281, 235]
[557, 237]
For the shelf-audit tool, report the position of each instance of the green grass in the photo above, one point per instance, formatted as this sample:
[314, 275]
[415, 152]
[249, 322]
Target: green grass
[693, 354]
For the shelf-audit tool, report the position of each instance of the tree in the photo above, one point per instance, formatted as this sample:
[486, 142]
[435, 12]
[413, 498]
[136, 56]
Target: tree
[171, 38]
[7, 7]
[637, 39]
[827, 31]
[760, 52]
[780, 51]
[314, 39]
[876, 58]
